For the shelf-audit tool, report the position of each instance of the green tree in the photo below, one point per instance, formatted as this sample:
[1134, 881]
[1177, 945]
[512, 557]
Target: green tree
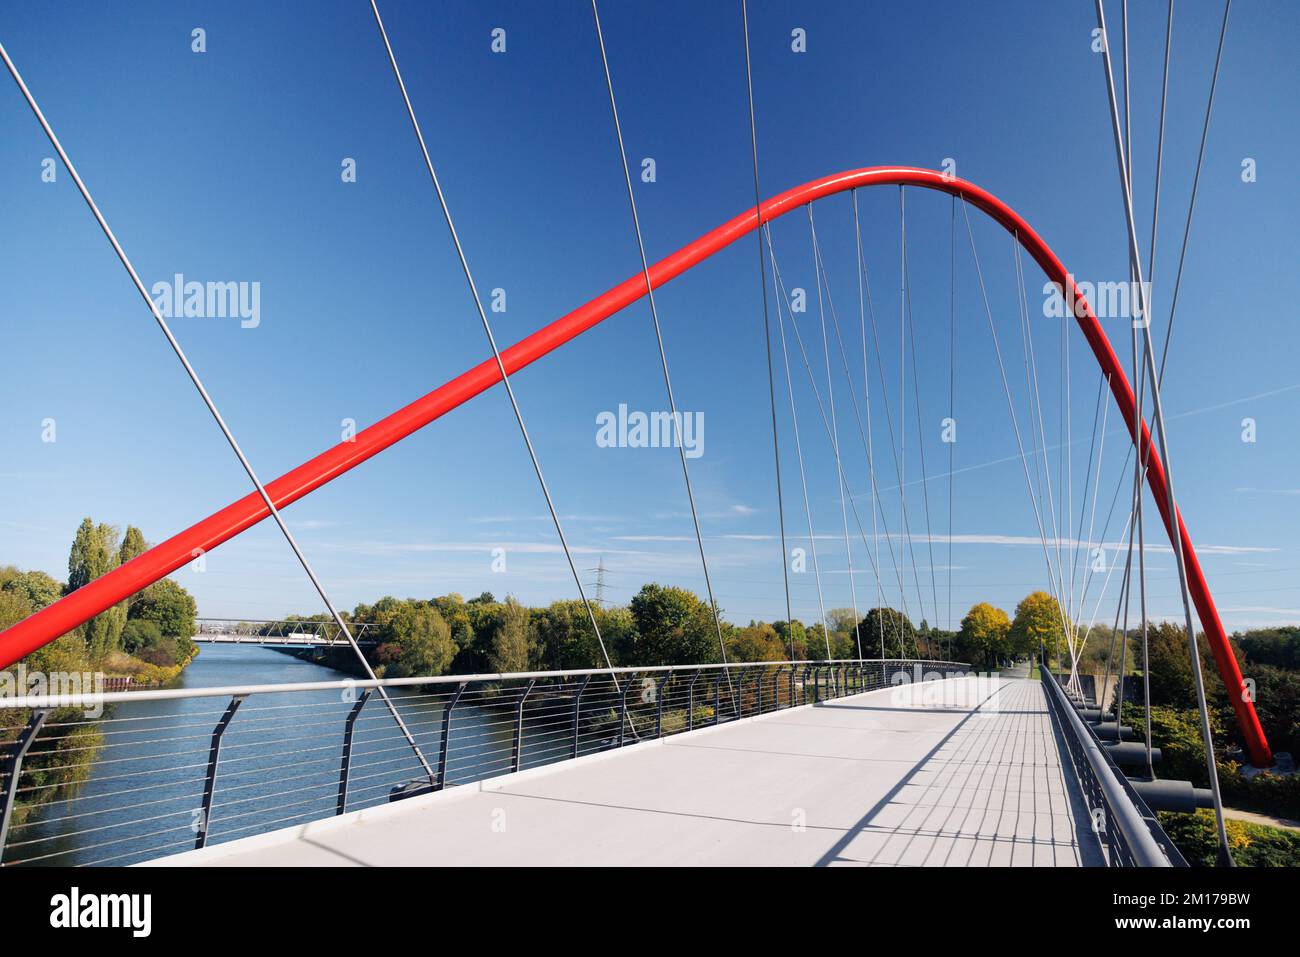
[844, 632]
[899, 633]
[140, 634]
[1037, 622]
[417, 642]
[673, 627]
[456, 613]
[794, 637]
[39, 589]
[94, 553]
[14, 607]
[133, 545]
[984, 634]
[512, 640]
[565, 639]
[169, 606]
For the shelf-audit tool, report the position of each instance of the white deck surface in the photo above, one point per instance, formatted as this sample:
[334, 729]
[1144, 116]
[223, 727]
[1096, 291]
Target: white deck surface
[883, 778]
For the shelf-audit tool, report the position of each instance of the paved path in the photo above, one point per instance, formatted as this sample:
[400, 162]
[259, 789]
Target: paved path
[961, 772]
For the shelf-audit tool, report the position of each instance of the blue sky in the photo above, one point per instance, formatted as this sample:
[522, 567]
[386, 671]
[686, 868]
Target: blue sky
[225, 166]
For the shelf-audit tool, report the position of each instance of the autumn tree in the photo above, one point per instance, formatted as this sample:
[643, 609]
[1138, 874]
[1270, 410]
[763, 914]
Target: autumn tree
[1037, 622]
[984, 634]
[758, 642]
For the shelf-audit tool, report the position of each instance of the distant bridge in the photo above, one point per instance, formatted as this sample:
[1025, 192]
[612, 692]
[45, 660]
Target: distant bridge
[283, 633]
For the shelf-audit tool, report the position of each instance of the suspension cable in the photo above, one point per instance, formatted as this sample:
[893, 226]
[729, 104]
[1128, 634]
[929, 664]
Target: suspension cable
[208, 401]
[1135, 258]
[663, 355]
[821, 278]
[920, 433]
[1055, 579]
[1006, 388]
[1196, 182]
[952, 391]
[866, 395]
[803, 477]
[767, 330]
[492, 343]
[779, 283]
[1151, 278]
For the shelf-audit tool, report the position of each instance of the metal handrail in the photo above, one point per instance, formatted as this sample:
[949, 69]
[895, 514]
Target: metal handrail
[1140, 844]
[229, 691]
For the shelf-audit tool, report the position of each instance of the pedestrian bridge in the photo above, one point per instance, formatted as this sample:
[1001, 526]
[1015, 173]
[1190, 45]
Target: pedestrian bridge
[910, 775]
[884, 762]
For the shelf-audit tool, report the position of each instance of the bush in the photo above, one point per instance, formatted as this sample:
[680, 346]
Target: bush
[1178, 735]
[140, 635]
[1252, 845]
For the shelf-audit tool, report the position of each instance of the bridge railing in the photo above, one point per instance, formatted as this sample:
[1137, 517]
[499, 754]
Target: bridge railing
[117, 778]
[1128, 830]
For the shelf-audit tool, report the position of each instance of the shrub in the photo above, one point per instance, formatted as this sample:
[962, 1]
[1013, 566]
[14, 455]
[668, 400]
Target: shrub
[1252, 845]
[140, 635]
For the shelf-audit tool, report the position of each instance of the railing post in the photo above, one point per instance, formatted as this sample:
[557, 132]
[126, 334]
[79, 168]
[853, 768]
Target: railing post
[659, 704]
[345, 767]
[446, 737]
[690, 703]
[717, 699]
[806, 670]
[210, 780]
[519, 728]
[758, 691]
[577, 707]
[13, 769]
[791, 686]
[622, 710]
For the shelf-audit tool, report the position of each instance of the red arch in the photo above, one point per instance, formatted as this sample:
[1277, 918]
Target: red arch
[162, 559]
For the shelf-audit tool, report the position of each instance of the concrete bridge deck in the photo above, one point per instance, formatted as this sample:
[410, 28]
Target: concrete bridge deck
[890, 777]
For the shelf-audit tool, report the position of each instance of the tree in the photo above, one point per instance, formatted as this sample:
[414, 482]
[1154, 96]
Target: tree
[565, 639]
[455, 612]
[511, 643]
[133, 545]
[14, 607]
[673, 627]
[140, 634]
[38, 588]
[1170, 665]
[1279, 647]
[899, 634]
[169, 606]
[795, 637]
[758, 642]
[94, 553]
[984, 634]
[1037, 622]
[417, 641]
